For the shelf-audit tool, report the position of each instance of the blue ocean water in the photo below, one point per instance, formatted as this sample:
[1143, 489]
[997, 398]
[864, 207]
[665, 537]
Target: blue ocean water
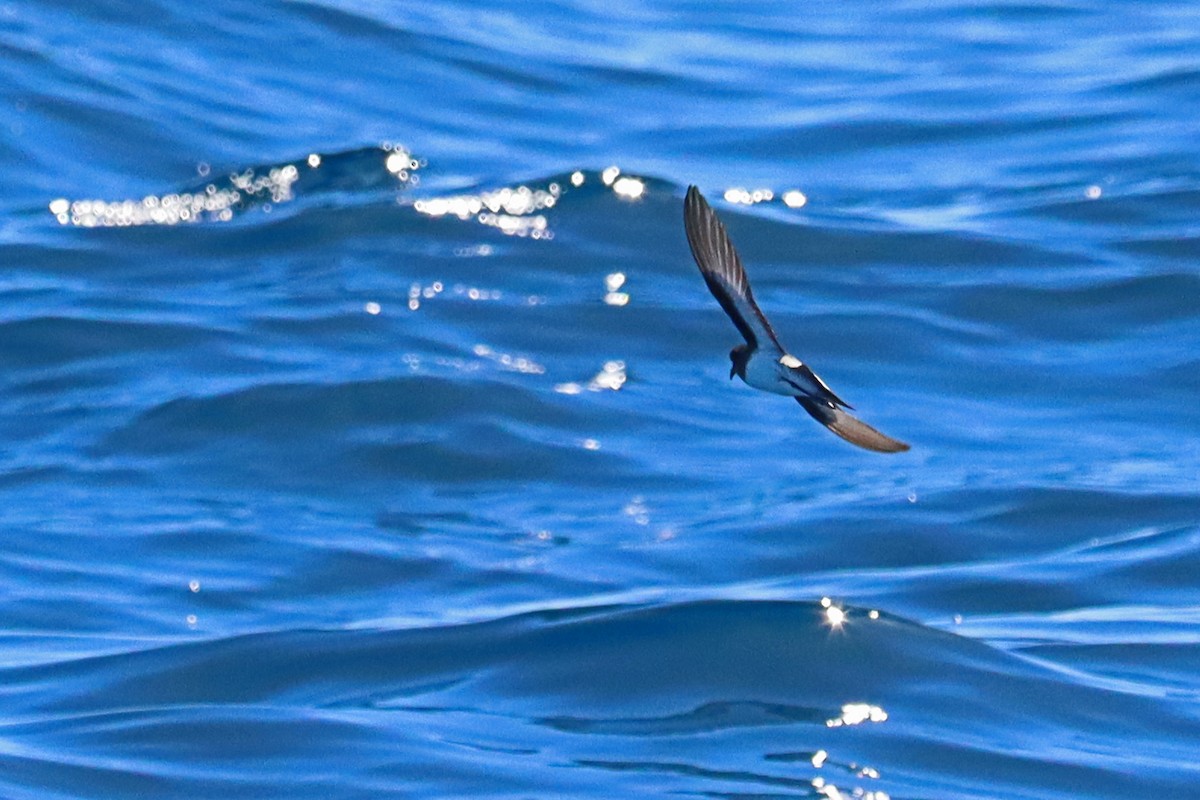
[366, 429]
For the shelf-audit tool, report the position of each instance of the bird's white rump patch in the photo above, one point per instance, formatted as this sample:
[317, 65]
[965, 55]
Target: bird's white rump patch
[790, 361]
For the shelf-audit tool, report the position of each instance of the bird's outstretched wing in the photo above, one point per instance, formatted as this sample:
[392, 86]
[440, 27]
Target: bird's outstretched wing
[723, 271]
[851, 429]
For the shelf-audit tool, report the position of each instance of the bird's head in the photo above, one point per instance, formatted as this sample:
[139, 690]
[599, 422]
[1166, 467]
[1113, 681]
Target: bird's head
[738, 357]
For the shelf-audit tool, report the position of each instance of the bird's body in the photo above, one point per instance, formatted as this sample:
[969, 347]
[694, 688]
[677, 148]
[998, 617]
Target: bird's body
[784, 375]
[762, 362]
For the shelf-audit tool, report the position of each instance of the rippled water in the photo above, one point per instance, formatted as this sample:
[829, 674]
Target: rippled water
[367, 432]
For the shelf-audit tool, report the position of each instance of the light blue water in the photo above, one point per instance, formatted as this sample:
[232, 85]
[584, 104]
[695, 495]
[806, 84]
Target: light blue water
[336, 494]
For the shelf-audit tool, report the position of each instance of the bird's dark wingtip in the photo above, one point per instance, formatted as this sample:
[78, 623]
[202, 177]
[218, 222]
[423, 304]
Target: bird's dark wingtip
[851, 429]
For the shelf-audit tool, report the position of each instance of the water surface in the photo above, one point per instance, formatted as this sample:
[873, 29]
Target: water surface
[367, 432]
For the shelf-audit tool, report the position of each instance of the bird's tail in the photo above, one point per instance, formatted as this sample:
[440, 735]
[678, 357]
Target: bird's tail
[851, 429]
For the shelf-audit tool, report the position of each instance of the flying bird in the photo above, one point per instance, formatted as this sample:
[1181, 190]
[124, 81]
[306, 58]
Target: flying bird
[762, 362]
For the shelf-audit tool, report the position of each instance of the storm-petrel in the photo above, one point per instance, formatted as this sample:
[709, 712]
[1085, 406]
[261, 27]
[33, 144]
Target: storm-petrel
[762, 362]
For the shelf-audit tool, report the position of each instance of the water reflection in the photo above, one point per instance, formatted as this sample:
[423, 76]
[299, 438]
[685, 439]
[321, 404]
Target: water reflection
[857, 714]
[222, 199]
[612, 283]
[512, 211]
[610, 377]
[518, 211]
[508, 361]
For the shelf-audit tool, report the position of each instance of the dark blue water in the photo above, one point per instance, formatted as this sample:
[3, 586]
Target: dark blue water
[365, 428]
